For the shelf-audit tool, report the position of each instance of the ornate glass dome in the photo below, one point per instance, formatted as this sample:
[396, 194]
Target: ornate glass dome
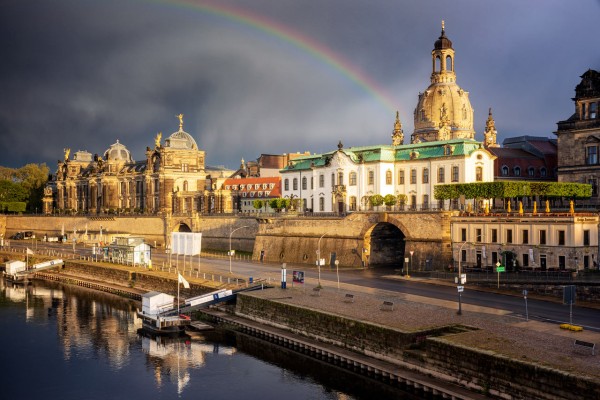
[117, 152]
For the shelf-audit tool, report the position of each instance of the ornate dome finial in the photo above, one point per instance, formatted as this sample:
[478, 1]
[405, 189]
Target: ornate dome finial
[180, 116]
[490, 133]
[443, 28]
[340, 145]
[398, 134]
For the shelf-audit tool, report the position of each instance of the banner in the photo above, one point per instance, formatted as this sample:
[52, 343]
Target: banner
[186, 243]
[29, 251]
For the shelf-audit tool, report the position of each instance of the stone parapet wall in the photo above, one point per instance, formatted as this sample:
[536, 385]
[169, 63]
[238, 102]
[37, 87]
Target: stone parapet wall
[426, 351]
[498, 374]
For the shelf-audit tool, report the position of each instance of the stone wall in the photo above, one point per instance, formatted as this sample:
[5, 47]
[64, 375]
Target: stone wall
[427, 350]
[285, 238]
[296, 240]
[501, 375]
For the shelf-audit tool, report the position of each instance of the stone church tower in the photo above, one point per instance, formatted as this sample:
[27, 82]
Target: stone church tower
[443, 111]
[490, 133]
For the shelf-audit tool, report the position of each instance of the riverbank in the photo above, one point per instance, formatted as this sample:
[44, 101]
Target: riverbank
[483, 350]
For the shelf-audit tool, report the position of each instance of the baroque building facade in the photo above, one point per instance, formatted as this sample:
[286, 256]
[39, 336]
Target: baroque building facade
[579, 137]
[171, 179]
[442, 150]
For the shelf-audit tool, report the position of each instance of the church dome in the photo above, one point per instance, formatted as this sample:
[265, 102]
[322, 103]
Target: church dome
[443, 42]
[117, 152]
[444, 110]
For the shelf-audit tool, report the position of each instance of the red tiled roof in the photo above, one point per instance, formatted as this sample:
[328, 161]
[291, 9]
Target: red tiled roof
[248, 187]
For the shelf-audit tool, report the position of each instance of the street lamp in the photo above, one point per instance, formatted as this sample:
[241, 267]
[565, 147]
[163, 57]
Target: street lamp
[230, 253]
[411, 254]
[319, 258]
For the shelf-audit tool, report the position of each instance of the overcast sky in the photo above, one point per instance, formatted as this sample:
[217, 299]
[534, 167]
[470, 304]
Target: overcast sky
[275, 76]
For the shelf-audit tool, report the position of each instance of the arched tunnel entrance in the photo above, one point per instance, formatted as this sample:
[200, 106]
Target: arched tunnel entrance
[384, 246]
[181, 227]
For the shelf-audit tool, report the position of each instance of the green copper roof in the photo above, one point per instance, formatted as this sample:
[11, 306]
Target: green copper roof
[388, 153]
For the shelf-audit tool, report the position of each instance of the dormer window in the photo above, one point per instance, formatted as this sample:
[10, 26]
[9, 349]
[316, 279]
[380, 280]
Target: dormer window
[517, 171]
[504, 170]
[531, 172]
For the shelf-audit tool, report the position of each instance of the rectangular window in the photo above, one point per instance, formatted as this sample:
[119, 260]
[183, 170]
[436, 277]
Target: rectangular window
[525, 236]
[561, 238]
[494, 257]
[463, 234]
[312, 182]
[352, 178]
[509, 238]
[441, 174]
[463, 255]
[586, 237]
[401, 177]
[478, 236]
[321, 180]
[321, 203]
[425, 175]
[286, 184]
[543, 236]
[494, 235]
[562, 262]
[413, 176]
[594, 183]
[525, 259]
[591, 155]
[455, 173]
[371, 178]
[332, 180]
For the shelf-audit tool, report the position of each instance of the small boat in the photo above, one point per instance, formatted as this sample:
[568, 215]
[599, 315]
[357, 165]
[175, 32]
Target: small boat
[157, 315]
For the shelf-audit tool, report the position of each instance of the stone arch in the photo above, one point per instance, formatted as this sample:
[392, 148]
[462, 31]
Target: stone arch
[384, 245]
[181, 227]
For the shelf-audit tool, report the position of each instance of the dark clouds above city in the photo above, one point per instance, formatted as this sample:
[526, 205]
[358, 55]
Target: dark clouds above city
[273, 77]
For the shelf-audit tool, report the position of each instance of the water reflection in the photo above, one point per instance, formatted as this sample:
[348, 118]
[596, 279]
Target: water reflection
[92, 347]
[175, 356]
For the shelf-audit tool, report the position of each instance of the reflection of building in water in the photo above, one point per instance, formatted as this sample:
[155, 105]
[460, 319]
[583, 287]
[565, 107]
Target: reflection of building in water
[174, 356]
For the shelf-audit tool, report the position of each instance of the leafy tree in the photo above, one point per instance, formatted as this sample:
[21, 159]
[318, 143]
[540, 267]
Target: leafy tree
[257, 204]
[376, 200]
[389, 200]
[24, 184]
[402, 199]
[11, 191]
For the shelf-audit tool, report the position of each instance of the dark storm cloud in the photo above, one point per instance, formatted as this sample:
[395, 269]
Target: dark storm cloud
[82, 74]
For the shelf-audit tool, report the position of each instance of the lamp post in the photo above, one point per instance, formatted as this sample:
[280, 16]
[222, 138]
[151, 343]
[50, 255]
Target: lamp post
[459, 281]
[230, 253]
[319, 258]
[411, 254]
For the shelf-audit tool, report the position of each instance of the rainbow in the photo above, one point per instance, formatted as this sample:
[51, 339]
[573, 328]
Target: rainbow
[294, 38]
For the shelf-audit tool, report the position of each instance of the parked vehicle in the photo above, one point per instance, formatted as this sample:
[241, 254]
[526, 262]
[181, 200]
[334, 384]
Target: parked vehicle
[23, 235]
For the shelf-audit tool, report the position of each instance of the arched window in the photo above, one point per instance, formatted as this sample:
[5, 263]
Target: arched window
[438, 64]
[425, 202]
[543, 172]
[321, 203]
[185, 186]
[295, 184]
[388, 177]
[400, 177]
[478, 174]
[304, 183]
[340, 178]
[517, 171]
[504, 170]
[425, 175]
[286, 184]
[448, 63]
[352, 178]
[531, 172]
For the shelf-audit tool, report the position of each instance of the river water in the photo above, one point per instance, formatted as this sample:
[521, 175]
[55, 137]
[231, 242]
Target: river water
[63, 342]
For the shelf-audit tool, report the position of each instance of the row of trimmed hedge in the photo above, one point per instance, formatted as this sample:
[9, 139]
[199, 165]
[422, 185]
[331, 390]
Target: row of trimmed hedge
[503, 190]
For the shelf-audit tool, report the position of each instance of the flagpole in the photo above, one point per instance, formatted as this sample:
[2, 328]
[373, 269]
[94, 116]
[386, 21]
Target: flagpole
[177, 291]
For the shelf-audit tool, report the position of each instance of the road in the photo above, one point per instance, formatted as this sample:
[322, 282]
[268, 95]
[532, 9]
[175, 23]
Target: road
[372, 280]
